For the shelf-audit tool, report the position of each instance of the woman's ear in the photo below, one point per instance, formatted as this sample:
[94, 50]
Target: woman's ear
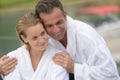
[23, 38]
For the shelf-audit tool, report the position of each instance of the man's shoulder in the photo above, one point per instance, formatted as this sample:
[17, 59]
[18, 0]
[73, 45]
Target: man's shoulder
[78, 24]
[81, 28]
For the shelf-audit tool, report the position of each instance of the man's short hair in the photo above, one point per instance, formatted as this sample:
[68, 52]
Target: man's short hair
[46, 6]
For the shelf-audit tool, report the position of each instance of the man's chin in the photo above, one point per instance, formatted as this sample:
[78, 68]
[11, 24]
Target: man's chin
[57, 38]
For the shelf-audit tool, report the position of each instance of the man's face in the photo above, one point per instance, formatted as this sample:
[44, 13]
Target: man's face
[55, 23]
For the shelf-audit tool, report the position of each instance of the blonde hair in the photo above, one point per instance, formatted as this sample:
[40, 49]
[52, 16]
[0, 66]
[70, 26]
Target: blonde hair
[28, 20]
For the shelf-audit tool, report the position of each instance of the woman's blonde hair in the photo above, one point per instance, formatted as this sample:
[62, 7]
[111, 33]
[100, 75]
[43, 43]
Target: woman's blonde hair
[28, 20]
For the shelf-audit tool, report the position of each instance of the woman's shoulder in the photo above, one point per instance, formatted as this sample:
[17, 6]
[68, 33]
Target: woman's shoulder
[53, 49]
[16, 52]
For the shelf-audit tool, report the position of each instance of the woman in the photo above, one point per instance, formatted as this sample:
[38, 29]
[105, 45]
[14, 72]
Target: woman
[35, 56]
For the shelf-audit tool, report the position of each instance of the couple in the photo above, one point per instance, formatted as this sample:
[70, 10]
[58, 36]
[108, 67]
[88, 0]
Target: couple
[85, 53]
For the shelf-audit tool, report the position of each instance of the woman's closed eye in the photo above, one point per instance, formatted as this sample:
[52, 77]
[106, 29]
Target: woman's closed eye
[34, 38]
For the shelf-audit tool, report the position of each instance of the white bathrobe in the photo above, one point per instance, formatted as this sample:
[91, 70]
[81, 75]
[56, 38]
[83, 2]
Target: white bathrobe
[88, 50]
[46, 69]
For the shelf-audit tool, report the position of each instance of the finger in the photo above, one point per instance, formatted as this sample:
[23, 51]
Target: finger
[10, 60]
[4, 57]
[62, 53]
[59, 61]
[65, 58]
[8, 70]
[58, 57]
[61, 57]
[12, 65]
[9, 63]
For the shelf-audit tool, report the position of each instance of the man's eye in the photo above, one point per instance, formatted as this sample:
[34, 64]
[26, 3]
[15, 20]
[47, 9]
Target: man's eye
[59, 22]
[48, 26]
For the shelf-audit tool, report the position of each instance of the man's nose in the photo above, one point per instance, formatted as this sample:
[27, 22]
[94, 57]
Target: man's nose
[55, 29]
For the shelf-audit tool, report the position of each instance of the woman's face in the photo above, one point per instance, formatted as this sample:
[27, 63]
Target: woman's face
[36, 37]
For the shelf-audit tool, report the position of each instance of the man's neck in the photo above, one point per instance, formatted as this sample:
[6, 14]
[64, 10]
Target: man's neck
[64, 41]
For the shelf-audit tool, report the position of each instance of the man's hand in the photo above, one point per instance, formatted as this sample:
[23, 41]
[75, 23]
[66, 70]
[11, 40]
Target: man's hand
[64, 59]
[7, 64]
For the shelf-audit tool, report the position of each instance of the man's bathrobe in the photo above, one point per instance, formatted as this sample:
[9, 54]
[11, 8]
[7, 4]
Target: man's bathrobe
[46, 69]
[88, 50]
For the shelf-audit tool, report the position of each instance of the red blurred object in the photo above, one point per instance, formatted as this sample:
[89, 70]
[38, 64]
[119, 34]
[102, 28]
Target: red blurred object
[101, 10]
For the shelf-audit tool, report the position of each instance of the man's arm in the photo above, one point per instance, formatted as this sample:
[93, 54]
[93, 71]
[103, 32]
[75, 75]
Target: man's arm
[7, 64]
[64, 59]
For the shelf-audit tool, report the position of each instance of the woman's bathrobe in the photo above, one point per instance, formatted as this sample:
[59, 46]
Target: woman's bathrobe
[46, 69]
[89, 51]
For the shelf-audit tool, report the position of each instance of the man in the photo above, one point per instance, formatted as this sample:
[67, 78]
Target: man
[86, 54]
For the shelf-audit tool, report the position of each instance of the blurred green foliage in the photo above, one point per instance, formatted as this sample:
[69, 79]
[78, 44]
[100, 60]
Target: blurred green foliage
[118, 14]
[11, 3]
[8, 38]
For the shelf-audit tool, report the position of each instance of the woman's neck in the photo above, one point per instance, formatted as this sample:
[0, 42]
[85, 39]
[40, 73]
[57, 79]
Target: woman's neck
[35, 58]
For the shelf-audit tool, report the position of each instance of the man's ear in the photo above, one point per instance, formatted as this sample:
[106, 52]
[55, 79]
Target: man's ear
[65, 15]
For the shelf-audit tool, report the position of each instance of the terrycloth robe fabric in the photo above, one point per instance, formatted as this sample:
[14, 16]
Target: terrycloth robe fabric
[88, 50]
[46, 69]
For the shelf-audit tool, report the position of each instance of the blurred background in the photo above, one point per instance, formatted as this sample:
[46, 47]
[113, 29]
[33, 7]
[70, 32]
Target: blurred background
[103, 15]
